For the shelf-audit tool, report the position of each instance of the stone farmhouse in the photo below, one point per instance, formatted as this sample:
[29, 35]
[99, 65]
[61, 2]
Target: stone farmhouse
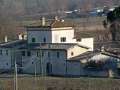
[51, 50]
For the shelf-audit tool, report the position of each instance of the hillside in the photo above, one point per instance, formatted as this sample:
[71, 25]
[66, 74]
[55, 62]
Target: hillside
[30, 6]
[14, 11]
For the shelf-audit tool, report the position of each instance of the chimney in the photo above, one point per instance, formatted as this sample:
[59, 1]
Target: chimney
[102, 49]
[20, 36]
[56, 18]
[6, 39]
[62, 20]
[43, 21]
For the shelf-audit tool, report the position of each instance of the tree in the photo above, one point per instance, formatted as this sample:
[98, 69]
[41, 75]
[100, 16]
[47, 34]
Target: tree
[113, 15]
[113, 18]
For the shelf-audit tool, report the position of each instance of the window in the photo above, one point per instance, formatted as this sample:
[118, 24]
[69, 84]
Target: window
[37, 54]
[0, 52]
[48, 54]
[33, 40]
[6, 52]
[48, 68]
[63, 39]
[58, 54]
[23, 53]
[28, 53]
[32, 62]
[42, 54]
[79, 39]
[44, 40]
[7, 64]
[72, 53]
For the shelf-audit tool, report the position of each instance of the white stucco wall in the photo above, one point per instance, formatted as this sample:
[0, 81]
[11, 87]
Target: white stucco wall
[59, 68]
[57, 33]
[89, 42]
[74, 68]
[76, 50]
[58, 64]
[31, 64]
[52, 36]
[5, 60]
[39, 36]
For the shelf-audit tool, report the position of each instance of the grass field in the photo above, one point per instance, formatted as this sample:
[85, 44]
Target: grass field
[55, 83]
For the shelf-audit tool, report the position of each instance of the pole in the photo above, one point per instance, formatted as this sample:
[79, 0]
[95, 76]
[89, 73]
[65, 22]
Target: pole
[15, 73]
[42, 68]
[35, 75]
[16, 84]
[35, 71]
[42, 64]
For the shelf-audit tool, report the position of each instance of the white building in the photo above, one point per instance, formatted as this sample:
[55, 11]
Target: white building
[57, 32]
[46, 49]
[54, 50]
[101, 64]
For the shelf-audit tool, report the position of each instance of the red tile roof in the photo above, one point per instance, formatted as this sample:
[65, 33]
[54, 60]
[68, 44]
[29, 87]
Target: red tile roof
[58, 24]
[54, 24]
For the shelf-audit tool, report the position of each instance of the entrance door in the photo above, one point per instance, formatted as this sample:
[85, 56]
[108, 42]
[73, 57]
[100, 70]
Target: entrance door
[49, 68]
